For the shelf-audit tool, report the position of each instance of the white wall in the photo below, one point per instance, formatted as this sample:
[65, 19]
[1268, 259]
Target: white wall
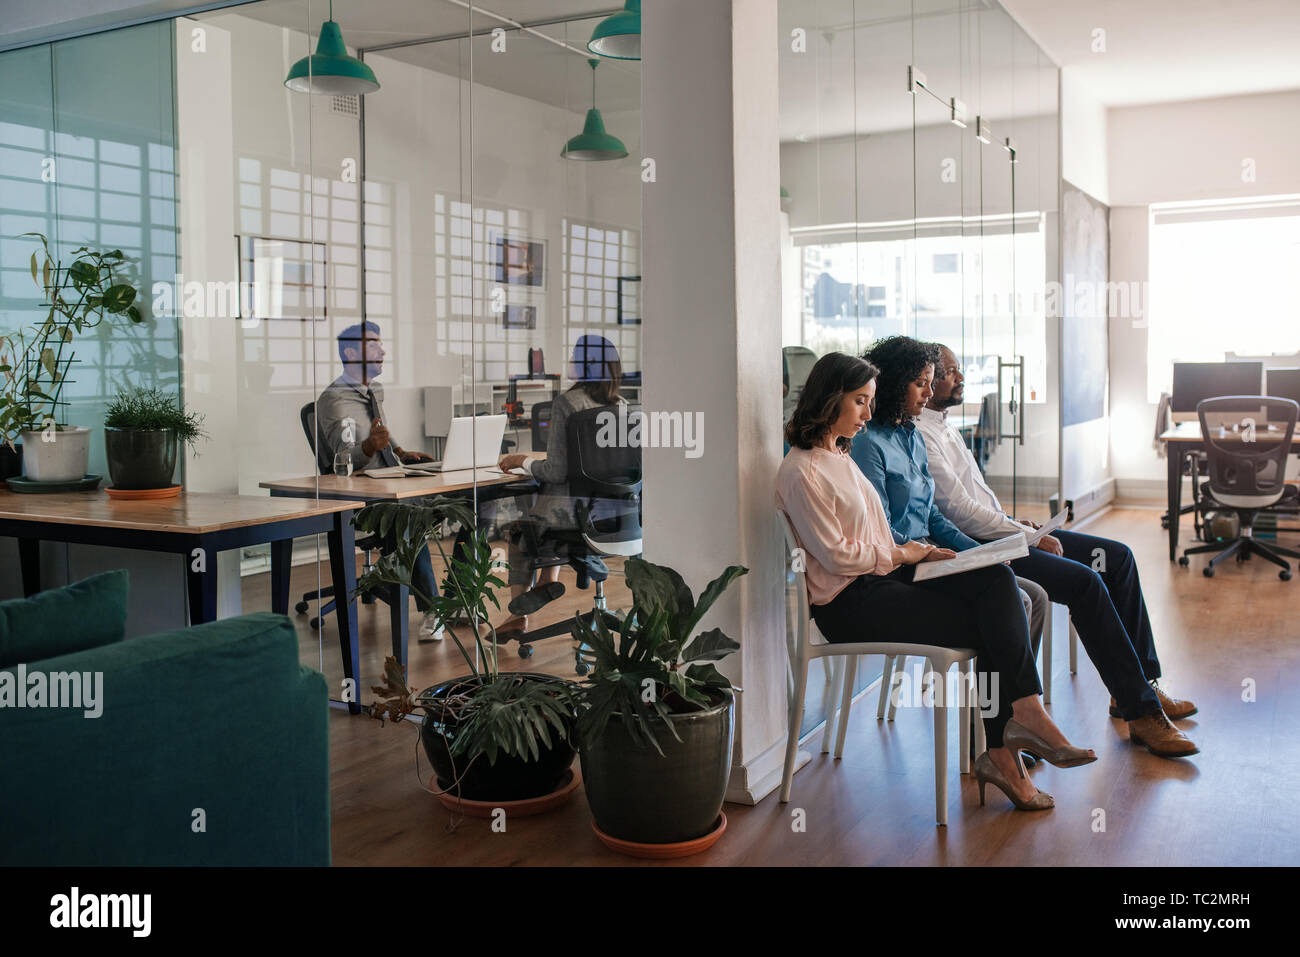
[1179, 152]
[1083, 138]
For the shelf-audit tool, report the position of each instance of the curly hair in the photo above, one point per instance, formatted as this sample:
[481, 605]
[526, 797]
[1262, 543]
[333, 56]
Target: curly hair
[901, 359]
[833, 377]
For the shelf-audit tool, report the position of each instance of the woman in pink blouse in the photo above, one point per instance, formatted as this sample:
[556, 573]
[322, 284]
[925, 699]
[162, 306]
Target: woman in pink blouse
[860, 580]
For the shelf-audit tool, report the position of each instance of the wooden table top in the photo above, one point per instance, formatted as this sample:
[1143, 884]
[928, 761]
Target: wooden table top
[188, 513]
[394, 489]
[1191, 432]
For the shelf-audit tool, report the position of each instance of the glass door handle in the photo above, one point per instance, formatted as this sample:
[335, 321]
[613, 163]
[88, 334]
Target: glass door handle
[1016, 408]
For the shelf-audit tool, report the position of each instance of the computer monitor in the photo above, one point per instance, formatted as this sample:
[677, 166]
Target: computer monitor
[1194, 381]
[1283, 383]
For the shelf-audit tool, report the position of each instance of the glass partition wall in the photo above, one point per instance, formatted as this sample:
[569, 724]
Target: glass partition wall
[919, 176]
[423, 254]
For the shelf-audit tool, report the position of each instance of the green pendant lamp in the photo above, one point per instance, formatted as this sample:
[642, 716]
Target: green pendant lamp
[330, 70]
[619, 36]
[593, 143]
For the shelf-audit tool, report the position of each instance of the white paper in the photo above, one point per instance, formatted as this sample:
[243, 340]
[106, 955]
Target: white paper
[982, 556]
[1033, 536]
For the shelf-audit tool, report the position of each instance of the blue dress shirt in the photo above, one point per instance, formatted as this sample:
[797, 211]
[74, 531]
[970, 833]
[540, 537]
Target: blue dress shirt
[893, 459]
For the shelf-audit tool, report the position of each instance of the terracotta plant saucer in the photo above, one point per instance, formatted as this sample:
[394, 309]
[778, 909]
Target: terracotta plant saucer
[664, 852]
[525, 808]
[137, 494]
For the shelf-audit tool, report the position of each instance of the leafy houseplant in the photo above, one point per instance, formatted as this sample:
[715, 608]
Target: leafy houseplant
[490, 735]
[35, 366]
[655, 722]
[142, 430]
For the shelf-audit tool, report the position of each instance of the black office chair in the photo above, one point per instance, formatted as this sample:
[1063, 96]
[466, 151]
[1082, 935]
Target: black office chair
[395, 597]
[1247, 470]
[605, 488]
[541, 424]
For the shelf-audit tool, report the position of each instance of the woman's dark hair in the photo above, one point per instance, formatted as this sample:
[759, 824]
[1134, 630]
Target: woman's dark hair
[901, 360]
[833, 377]
[596, 369]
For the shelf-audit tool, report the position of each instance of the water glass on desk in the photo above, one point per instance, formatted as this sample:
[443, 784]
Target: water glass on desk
[343, 463]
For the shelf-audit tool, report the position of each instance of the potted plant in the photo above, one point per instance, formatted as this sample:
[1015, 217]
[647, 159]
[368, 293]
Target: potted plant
[491, 735]
[142, 431]
[78, 298]
[655, 721]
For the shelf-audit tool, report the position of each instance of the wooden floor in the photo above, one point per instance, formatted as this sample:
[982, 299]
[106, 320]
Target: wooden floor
[1233, 804]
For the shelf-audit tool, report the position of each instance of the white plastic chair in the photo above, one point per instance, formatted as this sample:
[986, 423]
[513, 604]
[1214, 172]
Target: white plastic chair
[810, 644]
[1047, 654]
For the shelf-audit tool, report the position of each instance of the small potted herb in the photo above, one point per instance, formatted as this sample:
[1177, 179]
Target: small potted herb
[142, 432]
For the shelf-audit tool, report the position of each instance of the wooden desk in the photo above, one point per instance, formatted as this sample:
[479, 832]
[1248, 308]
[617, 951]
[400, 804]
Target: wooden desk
[368, 489]
[1181, 441]
[196, 526]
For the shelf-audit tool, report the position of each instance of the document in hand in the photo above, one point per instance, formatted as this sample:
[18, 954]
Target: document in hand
[1033, 536]
[982, 556]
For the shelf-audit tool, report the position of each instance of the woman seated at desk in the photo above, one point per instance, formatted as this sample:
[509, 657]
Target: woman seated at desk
[596, 371]
[860, 587]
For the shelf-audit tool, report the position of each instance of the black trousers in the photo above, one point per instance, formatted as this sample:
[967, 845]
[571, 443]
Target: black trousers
[1098, 579]
[979, 609]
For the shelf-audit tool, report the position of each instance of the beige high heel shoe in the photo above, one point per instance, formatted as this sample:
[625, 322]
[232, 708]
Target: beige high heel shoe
[986, 772]
[1019, 738]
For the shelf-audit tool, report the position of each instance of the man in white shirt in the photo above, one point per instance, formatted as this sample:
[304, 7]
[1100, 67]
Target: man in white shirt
[1107, 608]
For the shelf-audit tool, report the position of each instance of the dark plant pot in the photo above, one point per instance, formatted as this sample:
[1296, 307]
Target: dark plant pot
[510, 778]
[11, 461]
[636, 795]
[140, 458]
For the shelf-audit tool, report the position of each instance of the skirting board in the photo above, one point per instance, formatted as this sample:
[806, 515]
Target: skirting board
[750, 783]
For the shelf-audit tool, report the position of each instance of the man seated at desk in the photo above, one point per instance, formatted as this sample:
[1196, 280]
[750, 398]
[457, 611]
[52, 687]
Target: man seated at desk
[350, 418]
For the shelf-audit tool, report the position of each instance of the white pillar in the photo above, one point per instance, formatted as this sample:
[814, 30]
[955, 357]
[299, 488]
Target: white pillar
[712, 342]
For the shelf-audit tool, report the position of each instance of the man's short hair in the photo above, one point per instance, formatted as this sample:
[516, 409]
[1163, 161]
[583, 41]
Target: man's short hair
[356, 334]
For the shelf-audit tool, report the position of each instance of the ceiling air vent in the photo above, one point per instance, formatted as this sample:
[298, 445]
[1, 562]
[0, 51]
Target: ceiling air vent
[347, 105]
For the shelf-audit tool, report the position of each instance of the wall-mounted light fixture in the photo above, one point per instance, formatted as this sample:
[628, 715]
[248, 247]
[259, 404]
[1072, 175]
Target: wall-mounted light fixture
[957, 113]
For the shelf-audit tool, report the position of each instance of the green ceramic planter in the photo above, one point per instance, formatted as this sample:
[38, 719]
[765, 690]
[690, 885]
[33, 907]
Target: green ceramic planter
[141, 458]
[636, 795]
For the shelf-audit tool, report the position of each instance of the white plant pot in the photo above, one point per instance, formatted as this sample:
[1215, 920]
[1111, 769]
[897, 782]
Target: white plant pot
[61, 455]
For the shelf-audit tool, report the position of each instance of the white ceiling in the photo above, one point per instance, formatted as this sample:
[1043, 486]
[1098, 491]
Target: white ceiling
[1163, 50]
[530, 66]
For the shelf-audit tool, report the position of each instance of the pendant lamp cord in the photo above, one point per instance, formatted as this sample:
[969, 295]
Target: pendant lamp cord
[593, 82]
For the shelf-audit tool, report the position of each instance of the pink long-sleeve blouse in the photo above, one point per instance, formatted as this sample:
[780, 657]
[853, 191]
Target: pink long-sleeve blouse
[838, 519]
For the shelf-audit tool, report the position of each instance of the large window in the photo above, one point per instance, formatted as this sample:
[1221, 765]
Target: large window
[857, 292]
[1223, 279]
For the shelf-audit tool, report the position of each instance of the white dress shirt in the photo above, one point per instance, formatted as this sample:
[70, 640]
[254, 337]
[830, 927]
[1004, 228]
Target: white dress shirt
[959, 489]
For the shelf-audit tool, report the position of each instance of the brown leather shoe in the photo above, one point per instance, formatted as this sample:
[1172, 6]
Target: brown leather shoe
[1160, 737]
[1175, 708]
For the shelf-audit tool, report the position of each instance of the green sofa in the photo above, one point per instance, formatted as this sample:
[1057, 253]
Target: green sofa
[210, 746]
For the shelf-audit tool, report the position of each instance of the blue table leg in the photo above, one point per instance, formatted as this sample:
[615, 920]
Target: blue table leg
[29, 558]
[281, 564]
[398, 620]
[343, 572]
[201, 581]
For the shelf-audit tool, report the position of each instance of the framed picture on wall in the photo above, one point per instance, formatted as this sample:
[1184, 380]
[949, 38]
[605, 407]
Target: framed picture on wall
[519, 317]
[519, 262]
[281, 279]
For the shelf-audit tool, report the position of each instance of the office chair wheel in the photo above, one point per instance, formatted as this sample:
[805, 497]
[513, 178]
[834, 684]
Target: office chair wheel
[1284, 574]
[315, 624]
[525, 651]
[1182, 560]
[301, 607]
[1207, 571]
